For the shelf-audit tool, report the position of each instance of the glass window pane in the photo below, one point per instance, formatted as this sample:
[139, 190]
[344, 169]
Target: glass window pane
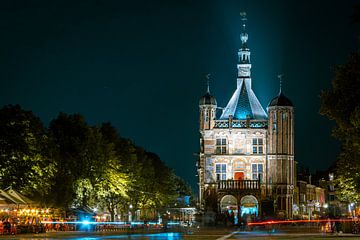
[223, 141]
[260, 168]
[217, 168]
[217, 177]
[260, 141]
[254, 141]
[254, 168]
[260, 149]
[254, 149]
[223, 168]
[218, 150]
[218, 141]
[254, 177]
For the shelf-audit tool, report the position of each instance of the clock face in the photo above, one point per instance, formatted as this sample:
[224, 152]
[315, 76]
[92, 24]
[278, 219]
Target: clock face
[244, 71]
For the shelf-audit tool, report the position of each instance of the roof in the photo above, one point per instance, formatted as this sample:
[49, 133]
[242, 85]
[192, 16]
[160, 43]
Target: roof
[280, 100]
[207, 99]
[11, 196]
[243, 104]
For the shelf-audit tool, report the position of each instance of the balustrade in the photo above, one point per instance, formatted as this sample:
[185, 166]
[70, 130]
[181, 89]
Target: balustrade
[238, 184]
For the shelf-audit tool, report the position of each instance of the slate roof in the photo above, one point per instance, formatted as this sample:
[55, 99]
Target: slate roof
[243, 104]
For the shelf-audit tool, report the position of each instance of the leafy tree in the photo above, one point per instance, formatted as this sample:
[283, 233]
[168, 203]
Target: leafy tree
[341, 104]
[25, 163]
[75, 164]
[69, 134]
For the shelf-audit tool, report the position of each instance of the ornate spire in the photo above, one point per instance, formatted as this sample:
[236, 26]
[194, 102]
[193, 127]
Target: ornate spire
[244, 65]
[243, 35]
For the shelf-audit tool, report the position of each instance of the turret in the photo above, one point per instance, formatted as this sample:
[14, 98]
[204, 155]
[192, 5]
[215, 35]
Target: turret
[207, 107]
[281, 153]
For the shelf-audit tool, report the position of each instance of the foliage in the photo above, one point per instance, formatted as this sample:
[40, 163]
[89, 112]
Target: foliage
[73, 164]
[341, 104]
[25, 163]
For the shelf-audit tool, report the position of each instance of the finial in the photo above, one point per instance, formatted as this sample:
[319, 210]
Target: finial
[243, 35]
[280, 76]
[208, 82]
[243, 18]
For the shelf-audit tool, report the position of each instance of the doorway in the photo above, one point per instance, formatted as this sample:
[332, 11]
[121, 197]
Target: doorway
[239, 176]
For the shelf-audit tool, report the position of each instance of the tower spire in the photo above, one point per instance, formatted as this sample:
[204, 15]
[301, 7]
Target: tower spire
[208, 82]
[244, 65]
[280, 76]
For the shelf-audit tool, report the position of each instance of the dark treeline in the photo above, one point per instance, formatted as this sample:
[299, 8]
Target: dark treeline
[74, 164]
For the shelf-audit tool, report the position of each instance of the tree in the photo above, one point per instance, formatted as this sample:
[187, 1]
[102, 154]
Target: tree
[71, 135]
[25, 163]
[341, 104]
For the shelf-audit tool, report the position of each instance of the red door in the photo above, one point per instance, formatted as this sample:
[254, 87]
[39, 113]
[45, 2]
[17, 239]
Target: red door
[239, 176]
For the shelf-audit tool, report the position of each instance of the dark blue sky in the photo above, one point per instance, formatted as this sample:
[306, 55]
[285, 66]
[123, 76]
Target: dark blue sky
[141, 65]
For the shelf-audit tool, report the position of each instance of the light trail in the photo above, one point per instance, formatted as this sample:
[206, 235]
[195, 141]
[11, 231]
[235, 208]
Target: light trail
[299, 221]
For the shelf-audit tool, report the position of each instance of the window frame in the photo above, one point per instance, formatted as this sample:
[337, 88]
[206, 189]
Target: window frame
[220, 171]
[257, 169]
[258, 146]
[221, 146]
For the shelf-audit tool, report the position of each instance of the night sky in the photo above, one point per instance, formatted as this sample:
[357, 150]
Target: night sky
[141, 65]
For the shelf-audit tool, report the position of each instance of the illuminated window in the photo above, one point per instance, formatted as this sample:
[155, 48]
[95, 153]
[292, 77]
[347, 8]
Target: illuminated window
[221, 146]
[258, 146]
[220, 172]
[257, 171]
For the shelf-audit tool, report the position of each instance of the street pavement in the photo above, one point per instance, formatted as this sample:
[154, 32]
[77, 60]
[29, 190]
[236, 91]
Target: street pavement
[196, 233]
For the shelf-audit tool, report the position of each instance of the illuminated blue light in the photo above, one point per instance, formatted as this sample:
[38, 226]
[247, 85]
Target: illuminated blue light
[85, 222]
[173, 223]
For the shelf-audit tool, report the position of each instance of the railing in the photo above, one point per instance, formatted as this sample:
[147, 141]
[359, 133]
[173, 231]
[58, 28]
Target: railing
[240, 124]
[238, 184]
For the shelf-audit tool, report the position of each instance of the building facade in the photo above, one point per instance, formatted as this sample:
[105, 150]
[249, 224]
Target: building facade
[246, 160]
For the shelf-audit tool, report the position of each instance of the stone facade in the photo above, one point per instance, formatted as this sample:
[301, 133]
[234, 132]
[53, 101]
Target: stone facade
[246, 158]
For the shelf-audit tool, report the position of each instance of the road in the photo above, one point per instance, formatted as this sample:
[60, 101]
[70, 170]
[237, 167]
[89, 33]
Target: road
[205, 234]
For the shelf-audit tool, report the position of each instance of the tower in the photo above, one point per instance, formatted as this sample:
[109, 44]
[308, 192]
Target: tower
[207, 113]
[280, 155]
[207, 107]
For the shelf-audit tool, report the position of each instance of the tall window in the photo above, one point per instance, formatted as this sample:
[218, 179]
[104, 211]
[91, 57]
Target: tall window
[257, 171]
[258, 146]
[221, 146]
[220, 172]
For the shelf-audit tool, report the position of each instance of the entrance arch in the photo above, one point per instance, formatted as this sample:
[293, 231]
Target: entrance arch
[229, 207]
[228, 202]
[249, 206]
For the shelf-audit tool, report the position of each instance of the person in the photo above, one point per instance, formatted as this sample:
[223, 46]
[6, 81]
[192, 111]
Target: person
[1, 227]
[7, 227]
